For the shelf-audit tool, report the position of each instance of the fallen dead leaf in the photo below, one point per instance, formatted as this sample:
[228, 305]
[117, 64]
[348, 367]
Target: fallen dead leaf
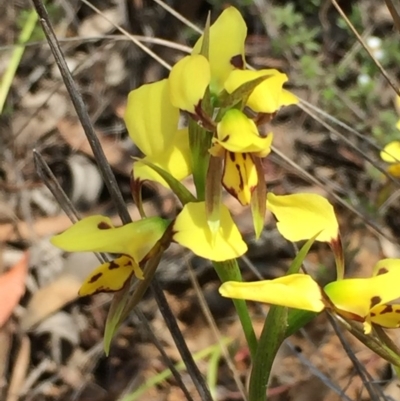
[63, 290]
[73, 134]
[12, 287]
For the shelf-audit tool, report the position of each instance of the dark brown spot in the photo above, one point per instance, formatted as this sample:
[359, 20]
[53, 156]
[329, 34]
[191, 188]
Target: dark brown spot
[382, 270]
[226, 138]
[113, 265]
[373, 314]
[232, 156]
[237, 62]
[397, 311]
[241, 183]
[244, 155]
[375, 301]
[95, 278]
[388, 309]
[128, 263]
[103, 226]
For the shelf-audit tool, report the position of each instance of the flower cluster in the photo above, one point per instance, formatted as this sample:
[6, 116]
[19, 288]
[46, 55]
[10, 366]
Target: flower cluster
[225, 103]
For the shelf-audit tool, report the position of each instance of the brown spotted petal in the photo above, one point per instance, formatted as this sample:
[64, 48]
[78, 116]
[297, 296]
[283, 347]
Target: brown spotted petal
[386, 315]
[240, 176]
[363, 297]
[110, 276]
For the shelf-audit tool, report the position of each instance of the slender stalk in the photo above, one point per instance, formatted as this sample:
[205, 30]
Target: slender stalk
[271, 338]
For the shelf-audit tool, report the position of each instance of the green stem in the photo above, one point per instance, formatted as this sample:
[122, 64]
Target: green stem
[9, 74]
[229, 271]
[271, 338]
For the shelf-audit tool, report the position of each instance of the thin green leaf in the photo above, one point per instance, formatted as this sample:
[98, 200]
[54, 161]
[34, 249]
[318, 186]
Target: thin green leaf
[271, 338]
[13, 63]
[241, 94]
[115, 313]
[200, 143]
[297, 319]
[301, 255]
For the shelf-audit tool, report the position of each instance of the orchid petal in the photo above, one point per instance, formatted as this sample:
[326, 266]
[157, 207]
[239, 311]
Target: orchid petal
[298, 291]
[226, 50]
[150, 117]
[361, 295]
[301, 216]
[391, 152]
[237, 133]
[240, 176]
[97, 234]
[175, 160]
[386, 315]
[266, 97]
[193, 232]
[110, 276]
[188, 81]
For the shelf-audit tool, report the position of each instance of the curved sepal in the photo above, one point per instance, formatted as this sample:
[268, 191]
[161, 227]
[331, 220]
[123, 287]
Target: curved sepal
[266, 96]
[188, 81]
[226, 49]
[191, 230]
[174, 160]
[97, 234]
[150, 117]
[298, 291]
[301, 216]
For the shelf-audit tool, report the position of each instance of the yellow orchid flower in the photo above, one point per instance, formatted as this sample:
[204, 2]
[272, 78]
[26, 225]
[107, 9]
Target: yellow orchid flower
[152, 123]
[239, 141]
[269, 96]
[391, 154]
[133, 241]
[367, 300]
[191, 230]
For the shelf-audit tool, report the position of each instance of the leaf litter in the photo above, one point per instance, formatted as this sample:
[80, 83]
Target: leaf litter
[51, 340]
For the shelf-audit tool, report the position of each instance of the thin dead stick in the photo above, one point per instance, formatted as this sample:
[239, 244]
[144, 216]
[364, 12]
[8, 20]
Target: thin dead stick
[132, 37]
[65, 203]
[116, 196]
[390, 81]
[117, 38]
[317, 372]
[178, 16]
[393, 12]
[351, 145]
[375, 392]
[157, 343]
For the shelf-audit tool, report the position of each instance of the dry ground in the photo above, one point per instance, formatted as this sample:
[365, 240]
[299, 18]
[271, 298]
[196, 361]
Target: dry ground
[51, 345]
